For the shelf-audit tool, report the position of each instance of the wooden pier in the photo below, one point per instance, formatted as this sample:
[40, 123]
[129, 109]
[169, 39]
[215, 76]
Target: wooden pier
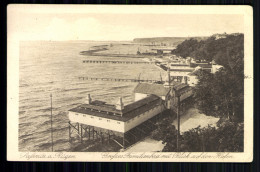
[118, 79]
[174, 78]
[117, 62]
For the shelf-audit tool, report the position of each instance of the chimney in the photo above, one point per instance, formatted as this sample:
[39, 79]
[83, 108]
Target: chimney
[168, 78]
[119, 104]
[169, 74]
[88, 99]
[183, 80]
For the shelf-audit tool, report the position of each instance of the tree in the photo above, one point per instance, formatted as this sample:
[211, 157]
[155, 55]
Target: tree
[226, 137]
[220, 94]
[167, 133]
[228, 52]
[185, 48]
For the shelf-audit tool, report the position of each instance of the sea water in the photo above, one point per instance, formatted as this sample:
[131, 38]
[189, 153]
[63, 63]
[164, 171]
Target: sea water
[47, 67]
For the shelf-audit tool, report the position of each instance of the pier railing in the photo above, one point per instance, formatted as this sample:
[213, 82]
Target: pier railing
[174, 78]
[117, 62]
[119, 79]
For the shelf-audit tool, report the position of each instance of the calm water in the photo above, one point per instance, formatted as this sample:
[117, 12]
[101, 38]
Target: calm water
[54, 67]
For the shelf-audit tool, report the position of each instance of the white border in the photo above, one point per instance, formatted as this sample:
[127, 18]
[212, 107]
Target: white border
[13, 84]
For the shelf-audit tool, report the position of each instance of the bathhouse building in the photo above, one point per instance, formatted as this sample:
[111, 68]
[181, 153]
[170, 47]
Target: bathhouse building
[126, 124]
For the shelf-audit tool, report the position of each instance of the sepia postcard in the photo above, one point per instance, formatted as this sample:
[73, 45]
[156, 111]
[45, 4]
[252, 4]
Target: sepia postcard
[160, 83]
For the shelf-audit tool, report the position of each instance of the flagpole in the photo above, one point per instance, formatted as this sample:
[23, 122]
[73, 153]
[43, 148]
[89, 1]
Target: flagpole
[51, 126]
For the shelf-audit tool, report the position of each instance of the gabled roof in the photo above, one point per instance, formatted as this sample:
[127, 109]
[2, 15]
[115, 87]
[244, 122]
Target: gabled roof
[155, 89]
[130, 111]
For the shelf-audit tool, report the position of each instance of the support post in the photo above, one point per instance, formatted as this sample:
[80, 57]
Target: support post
[93, 133]
[123, 141]
[81, 135]
[78, 127]
[101, 137]
[69, 132]
[89, 132]
[178, 122]
[51, 126]
[108, 137]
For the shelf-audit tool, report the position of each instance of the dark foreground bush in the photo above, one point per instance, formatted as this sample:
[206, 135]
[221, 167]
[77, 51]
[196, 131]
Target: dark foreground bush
[227, 137]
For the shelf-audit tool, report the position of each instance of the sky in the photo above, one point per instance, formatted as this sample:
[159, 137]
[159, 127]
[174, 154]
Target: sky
[119, 26]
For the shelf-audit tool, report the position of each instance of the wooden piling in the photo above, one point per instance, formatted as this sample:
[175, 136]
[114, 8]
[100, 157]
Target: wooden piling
[178, 122]
[101, 137]
[78, 128]
[108, 137]
[89, 132]
[93, 133]
[81, 135]
[69, 132]
[123, 141]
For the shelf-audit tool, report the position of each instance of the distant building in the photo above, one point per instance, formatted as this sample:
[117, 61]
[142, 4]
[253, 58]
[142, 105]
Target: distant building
[220, 36]
[143, 90]
[236, 34]
[193, 76]
[215, 67]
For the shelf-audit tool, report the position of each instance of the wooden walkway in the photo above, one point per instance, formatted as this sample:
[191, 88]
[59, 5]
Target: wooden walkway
[118, 79]
[117, 62]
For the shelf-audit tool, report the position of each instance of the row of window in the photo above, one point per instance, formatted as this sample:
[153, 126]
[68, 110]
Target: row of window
[95, 110]
[119, 122]
[142, 114]
[98, 118]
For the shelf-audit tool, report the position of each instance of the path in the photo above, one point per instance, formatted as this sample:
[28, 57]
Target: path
[191, 119]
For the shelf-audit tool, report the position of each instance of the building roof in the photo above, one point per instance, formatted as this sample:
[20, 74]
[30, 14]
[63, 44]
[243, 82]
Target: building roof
[203, 65]
[182, 70]
[154, 89]
[178, 86]
[110, 112]
[179, 64]
[195, 73]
